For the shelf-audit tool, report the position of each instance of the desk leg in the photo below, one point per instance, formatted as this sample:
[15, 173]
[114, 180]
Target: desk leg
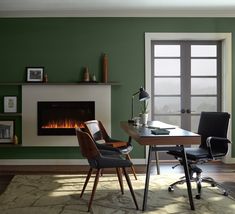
[185, 164]
[147, 178]
[157, 162]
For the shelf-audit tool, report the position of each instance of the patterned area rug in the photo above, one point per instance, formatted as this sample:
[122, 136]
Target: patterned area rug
[50, 194]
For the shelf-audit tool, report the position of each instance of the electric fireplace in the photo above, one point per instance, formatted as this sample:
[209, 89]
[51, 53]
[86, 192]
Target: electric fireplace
[61, 118]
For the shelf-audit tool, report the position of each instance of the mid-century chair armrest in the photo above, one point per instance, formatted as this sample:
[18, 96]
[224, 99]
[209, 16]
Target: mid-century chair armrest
[117, 144]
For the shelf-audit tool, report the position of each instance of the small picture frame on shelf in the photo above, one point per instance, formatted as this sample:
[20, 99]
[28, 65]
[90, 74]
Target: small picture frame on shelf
[34, 74]
[10, 104]
[7, 131]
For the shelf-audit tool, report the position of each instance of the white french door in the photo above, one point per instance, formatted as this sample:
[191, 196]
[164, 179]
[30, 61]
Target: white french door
[185, 80]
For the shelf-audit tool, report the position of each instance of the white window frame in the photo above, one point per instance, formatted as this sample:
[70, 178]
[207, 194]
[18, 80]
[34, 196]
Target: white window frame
[226, 70]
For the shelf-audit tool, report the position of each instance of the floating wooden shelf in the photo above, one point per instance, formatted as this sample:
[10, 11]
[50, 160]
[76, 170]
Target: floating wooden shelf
[58, 83]
[10, 114]
[10, 83]
[10, 145]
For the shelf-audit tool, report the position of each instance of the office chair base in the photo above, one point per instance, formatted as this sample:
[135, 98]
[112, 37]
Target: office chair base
[213, 183]
[198, 181]
[170, 189]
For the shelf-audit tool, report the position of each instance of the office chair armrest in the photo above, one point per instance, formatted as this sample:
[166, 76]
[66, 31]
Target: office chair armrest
[211, 141]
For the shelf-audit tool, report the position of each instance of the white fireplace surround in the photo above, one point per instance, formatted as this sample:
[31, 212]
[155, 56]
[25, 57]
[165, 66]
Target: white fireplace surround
[33, 93]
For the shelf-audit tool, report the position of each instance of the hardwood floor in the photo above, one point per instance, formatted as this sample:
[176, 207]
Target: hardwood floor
[223, 173]
[4, 181]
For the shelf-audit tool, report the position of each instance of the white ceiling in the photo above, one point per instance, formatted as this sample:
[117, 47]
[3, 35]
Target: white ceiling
[117, 8]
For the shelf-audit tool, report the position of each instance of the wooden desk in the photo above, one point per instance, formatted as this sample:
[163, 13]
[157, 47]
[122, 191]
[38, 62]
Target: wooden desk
[177, 138]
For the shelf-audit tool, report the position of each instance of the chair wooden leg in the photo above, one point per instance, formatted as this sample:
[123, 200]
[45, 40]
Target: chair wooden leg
[130, 187]
[119, 174]
[86, 181]
[132, 167]
[94, 188]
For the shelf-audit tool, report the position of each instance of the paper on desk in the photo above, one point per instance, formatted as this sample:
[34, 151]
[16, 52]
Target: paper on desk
[159, 125]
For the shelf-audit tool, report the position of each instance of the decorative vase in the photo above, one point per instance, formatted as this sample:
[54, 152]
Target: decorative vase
[93, 78]
[15, 140]
[105, 69]
[45, 78]
[144, 118]
[86, 75]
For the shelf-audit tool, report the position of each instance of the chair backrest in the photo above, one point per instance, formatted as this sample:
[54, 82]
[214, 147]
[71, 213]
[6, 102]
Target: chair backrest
[96, 129]
[87, 145]
[213, 124]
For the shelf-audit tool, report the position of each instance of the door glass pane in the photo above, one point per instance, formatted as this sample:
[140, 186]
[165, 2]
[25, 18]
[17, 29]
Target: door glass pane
[203, 50]
[166, 105]
[162, 86]
[203, 86]
[167, 67]
[194, 123]
[170, 119]
[199, 104]
[167, 50]
[203, 67]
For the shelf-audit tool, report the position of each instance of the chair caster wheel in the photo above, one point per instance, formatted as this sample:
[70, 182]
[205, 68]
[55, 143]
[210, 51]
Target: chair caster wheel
[198, 197]
[225, 193]
[170, 189]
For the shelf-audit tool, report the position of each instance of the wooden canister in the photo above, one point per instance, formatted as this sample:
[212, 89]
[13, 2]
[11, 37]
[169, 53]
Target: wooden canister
[15, 140]
[105, 69]
[86, 75]
[45, 78]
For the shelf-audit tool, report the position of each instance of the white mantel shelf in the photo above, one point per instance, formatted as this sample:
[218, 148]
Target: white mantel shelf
[60, 83]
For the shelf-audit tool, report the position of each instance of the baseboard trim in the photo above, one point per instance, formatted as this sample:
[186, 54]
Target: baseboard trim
[53, 161]
[229, 160]
[76, 161]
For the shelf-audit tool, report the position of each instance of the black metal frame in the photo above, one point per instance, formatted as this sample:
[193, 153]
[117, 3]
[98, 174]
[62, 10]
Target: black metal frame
[155, 149]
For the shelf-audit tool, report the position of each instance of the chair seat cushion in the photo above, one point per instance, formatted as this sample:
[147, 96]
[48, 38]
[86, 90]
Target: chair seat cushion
[117, 144]
[109, 152]
[192, 153]
[123, 147]
[105, 147]
[109, 162]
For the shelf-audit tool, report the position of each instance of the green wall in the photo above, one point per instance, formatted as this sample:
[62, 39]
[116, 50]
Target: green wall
[65, 45]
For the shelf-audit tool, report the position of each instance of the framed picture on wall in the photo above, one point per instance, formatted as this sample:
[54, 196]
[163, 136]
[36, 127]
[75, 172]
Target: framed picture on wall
[10, 104]
[34, 74]
[7, 131]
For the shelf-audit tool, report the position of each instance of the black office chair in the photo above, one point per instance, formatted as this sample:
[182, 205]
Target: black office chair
[96, 129]
[98, 161]
[213, 128]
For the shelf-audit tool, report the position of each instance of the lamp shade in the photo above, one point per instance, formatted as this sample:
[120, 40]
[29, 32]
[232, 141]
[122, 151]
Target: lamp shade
[143, 95]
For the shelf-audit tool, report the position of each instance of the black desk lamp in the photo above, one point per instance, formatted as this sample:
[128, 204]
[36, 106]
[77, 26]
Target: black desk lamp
[143, 95]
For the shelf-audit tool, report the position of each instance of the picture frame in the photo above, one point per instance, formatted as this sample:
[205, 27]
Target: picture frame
[10, 104]
[7, 131]
[34, 74]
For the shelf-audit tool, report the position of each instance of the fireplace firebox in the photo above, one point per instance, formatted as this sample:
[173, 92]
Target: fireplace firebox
[61, 118]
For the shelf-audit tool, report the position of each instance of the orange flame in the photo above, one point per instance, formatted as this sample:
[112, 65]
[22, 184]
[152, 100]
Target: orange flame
[64, 124]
